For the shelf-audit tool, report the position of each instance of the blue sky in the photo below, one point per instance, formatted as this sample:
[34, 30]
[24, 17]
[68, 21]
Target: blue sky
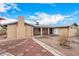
[44, 13]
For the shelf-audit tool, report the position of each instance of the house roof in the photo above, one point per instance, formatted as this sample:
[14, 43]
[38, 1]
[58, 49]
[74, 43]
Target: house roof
[66, 25]
[7, 23]
[4, 22]
[34, 25]
[2, 18]
[14, 22]
[45, 26]
[56, 26]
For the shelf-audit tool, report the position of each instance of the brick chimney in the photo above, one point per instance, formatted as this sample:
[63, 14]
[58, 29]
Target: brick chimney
[21, 28]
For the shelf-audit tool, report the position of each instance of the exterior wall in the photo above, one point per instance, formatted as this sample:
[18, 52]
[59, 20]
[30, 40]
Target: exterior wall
[64, 32]
[72, 30]
[21, 28]
[56, 31]
[11, 31]
[60, 31]
[29, 31]
[63, 37]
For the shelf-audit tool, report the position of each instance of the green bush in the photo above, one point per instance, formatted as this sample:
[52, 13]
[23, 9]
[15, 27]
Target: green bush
[2, 31]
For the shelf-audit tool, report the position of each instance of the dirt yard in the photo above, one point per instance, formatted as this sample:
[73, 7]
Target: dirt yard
[23, 47]
[53, 42]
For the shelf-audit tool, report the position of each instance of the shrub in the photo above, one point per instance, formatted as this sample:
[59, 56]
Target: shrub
[2, 31]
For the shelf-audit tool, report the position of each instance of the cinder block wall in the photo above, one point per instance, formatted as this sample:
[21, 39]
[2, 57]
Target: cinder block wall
[64, 32]
[72, 31]
[21, 34]
[11, 31]
[29, 31]
[19, 30]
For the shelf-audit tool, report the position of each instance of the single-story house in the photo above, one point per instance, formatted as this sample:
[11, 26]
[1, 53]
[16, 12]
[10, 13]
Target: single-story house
[21, 29]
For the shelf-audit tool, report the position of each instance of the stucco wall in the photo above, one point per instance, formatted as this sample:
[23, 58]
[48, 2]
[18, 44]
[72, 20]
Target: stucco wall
[72, 30]
[64, 32]
[56, 31]
[11, 31]
[29, 31]
[60, 31]
[21, 28]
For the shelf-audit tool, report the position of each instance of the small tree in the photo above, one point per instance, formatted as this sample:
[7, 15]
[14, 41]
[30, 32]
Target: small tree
[63, 39]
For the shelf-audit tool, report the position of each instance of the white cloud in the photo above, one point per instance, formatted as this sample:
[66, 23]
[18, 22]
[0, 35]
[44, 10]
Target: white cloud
[75, 12]
[15, 7]
[10, 20]
[30, 22]
[7, 20]
[45, 18]
[73, 16]
[4, 7]
[52, 19]
[13, 11]
[52, 4]
[33, 18]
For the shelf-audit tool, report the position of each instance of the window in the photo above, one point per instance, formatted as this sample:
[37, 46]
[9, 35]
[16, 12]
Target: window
[73, 27]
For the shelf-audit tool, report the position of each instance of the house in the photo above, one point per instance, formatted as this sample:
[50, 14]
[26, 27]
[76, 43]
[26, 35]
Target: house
[21, 29]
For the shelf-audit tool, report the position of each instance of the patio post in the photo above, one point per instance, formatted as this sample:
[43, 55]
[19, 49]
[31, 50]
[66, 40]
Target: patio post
[41, 32]
[32, 32]
[48, 31]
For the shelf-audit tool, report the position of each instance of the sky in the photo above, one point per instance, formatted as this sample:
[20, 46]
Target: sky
[45, 13]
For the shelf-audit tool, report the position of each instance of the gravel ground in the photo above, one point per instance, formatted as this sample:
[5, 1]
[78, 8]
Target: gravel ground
[53, 42]
[24, 47]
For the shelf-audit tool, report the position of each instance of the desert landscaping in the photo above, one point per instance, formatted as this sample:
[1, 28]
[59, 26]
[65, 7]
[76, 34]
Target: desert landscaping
[23, 39]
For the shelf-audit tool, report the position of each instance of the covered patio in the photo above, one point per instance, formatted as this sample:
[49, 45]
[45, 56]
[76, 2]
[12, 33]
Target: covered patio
[40, 31]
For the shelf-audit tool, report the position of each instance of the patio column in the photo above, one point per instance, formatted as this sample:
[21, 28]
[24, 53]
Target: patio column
[41, 32]
[48, 31]
[32, 31]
